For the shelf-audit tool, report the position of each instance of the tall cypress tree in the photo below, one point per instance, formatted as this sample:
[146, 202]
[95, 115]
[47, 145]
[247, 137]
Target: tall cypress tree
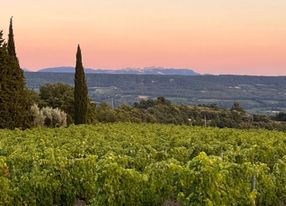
[4, 61]
[17, 72]
[14, 105]
[5, 79]
[11, 42]
[80, 91]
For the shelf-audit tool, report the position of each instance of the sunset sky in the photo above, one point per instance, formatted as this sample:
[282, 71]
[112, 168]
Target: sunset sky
[209, 36]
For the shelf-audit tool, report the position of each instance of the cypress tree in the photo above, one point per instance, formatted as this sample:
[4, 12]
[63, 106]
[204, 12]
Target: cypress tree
[80, 91]
[5, 117]
[17, 72]
[14, 105]
[11, 42]
[3, 69]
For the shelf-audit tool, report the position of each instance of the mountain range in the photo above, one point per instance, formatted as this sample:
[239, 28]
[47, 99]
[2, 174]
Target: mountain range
[138, 71]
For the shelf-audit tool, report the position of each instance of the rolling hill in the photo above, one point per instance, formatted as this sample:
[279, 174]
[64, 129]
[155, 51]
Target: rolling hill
[256, 94]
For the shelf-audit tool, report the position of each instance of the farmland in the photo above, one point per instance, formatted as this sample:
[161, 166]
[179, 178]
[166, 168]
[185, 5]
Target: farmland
[142, 164]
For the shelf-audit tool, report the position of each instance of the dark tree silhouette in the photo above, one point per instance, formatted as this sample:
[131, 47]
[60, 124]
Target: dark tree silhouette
[14, 105]
[80, 91]
[11, 42]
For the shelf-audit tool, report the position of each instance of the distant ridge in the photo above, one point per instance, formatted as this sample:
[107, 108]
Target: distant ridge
[64, 70]
[146, 70]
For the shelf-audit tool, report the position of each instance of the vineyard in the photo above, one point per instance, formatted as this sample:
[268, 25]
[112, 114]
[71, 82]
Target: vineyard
[142, 164]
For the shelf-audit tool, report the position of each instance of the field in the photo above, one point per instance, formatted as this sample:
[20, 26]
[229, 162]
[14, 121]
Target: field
[142, 164]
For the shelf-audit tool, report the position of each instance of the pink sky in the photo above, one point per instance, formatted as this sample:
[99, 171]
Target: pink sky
[209, 36]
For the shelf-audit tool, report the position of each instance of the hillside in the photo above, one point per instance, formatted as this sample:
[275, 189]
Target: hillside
[141, 164]
[256, 94]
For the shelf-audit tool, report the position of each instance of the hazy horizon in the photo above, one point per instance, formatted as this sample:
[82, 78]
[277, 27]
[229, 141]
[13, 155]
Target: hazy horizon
[148, 67]
[215, 37]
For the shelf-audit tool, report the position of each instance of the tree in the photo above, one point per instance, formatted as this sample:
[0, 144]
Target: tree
[58, 96]
[104, 113]
[11, 42]
[80, 92]
[14, 104]
[48, 117]
[163, 100]
[4, 63]
[236, 107]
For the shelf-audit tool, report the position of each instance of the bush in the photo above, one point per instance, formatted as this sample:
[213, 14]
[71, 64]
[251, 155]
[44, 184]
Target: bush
[48, 117]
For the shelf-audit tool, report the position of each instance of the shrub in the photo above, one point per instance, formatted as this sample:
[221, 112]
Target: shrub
[48, 117]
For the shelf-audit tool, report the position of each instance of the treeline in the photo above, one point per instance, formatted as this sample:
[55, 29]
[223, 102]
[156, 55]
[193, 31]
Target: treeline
[158, 110]
[18, 105]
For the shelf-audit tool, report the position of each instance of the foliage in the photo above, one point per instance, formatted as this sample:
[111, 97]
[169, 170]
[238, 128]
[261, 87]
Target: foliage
[11, 42]
[142, 164]
[58, 96]
[281, 116]
[237, 108]
[48, 117]
[62, 96]
[104, 113]
[80, 92]
[163, 111]
[159, 110]
[14, 104]
[256, 94]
